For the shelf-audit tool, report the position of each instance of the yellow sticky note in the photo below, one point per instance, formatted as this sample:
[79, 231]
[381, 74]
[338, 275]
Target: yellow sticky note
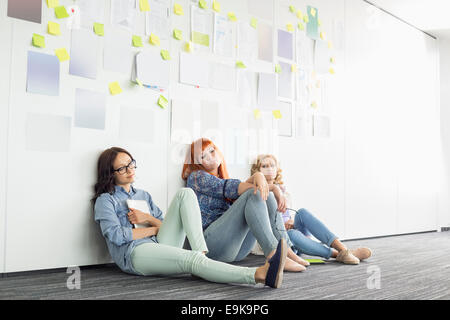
[290, 27]
[62, 54]
[254, 22]
[257, 113]
[38, 40]
[115, 88]
[54, 28]
[99, 29]
[165, 54]
[330, 45]
[277, 68]
[277, 114]
[202, 4]
[301, 26]
[163, 102]
[53, 3]
[240, 64]
[313, 12]
[154, 40]
[188, 46]
[305, 18]
[200, 38]
[319, 22]
[139, 82]
[178, 9]
[137, 41]
[299, 14]
[314, 104]
[332, 60]
[331, 70]
[232, 16]
[61, 12]
[322, 35]
[216, 6]
[144, 5]
[294, 67]
[291, 8]
[177, 34]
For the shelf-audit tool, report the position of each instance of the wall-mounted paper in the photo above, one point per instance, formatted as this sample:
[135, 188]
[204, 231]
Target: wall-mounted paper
[157, 19]
[123, 13]
[247, 89]
[305, 50]
[90, 109]
[137, 124]
[247, 42]
[201, 28]
[222, 76]
[29, 10]
[321, 126]
[194, 70]
[224, 36]
[285, 87]
[117, 52]
[285, 122]
[48, 132]
[74, 19]
[83, 62]
[285, 44]
[151, 69]
[90, 12]
[312, 26]
[209, 119]
[42, 73]
[267, 91]
[261, 9]
[321, 57]
[185, 122]
[265, 42]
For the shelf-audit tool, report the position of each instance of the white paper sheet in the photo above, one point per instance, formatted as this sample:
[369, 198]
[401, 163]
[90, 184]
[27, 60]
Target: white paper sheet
[202, 22]
[43, 73]
[247, 89]
[224, 36]
[261, 9]
[210, 126]
[90, 12]
[305, 50]
[194, 70]
[137, 124]
[285, 87]
[90, 109]
[117, 51]
[83, 62]
[50, 133]
[285, 44]
[74, 19]
[222, 76]
[247, 42]
[265, 42]
[285, 123]
[267, 91]
[321, 57]
[157, 19]
[151, 69]
[123, 13]
[321, 126]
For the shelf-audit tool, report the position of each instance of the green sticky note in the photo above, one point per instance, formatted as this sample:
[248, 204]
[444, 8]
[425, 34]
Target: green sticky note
[254, 22]
[165, 54]
[62, 54]
[314, 261]
[177, 34]
[202, 4]
[301, 26]
[277, 68]
[38, 40]
[52, 3]
[163, 102]
[61, 12]
[277, 114]
[137, 41]
[240, 64]
[99, 29]
[291, 8]
[115, 88]
[200, 38]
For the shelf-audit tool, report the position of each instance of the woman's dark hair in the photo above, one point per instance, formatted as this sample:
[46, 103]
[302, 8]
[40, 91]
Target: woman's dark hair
[105, 172]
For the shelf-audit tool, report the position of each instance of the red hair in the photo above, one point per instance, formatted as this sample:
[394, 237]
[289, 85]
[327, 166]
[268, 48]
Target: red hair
[191, 164]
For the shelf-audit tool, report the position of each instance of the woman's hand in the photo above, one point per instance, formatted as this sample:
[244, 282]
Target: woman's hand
[289, 224]
[260, 183]
[281, 199]
[138, 217]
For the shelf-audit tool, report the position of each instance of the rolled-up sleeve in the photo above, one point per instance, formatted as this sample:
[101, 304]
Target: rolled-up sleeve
[205, 183]
[110, 225]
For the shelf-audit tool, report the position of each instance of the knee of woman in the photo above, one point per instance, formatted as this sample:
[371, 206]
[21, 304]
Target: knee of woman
[185, 192]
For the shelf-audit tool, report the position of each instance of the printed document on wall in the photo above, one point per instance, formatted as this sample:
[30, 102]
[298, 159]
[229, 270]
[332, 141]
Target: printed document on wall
[224, 36]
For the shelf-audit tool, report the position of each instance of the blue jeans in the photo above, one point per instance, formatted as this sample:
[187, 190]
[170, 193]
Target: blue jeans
[233, 235]
[306, 224]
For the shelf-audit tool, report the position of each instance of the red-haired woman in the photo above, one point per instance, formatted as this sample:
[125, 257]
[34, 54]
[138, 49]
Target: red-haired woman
[234, 213]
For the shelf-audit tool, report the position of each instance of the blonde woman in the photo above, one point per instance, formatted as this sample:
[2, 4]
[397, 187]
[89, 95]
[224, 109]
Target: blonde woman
[303, 224]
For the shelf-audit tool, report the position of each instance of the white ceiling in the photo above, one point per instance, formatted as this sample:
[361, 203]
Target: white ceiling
[432, 16]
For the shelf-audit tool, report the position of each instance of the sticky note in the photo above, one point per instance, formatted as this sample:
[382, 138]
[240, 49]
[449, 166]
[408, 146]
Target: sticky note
[115, 88]
[240, 64]
[178, 9]
[162, 102]
[277, 114]
[301, 26]
[154, 40]
[277, 68]
[139, 82]
[322, 35]
[254, 22]
[165, 54]
[291, 8]
[314, 104]
[52, 3]
[299, 14]
[332, 60]
[216, 6]
[200, 38]
[313, 12]
[314, 261]
[331, 70]
[61, 12]
[294, 67]
[305, 18]
[232, 16]
[188, 46]
[137, 41]
[99, 29]
[202, 4]
[144, 5]
[177, 34]
[62, 54]
[330, 45]
[290, 27]
[319, 22]
[38, 40]
[257, 113]
[54, 28]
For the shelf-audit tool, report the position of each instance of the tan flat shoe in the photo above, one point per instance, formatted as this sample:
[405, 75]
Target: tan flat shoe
[346, 257]
[361, 253]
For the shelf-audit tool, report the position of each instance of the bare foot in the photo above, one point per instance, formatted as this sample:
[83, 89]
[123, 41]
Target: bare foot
[293, 266]
[296, 258]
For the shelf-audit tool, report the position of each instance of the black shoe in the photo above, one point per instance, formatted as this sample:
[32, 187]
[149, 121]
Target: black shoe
[274, 276]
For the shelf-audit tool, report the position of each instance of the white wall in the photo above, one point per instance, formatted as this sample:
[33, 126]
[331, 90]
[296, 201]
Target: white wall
[371, 177]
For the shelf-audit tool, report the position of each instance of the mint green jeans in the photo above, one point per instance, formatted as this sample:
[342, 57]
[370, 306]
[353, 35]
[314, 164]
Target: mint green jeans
[167, 257]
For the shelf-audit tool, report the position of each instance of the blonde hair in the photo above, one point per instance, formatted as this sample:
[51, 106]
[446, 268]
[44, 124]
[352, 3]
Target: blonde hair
[256, 167]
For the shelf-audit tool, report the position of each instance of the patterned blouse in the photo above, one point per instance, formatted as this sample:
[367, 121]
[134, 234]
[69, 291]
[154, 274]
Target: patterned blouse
[213, 194]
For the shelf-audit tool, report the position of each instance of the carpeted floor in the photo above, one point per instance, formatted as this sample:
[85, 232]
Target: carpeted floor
[415, 266]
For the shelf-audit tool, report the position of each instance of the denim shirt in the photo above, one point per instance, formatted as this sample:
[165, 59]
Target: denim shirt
[212, 194]
[111, 213]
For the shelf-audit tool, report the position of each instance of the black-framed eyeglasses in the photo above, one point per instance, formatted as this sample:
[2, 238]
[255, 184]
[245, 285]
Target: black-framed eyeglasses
[131, 166]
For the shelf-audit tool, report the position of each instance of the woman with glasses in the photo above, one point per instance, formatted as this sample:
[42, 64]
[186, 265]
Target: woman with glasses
[157, 249]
